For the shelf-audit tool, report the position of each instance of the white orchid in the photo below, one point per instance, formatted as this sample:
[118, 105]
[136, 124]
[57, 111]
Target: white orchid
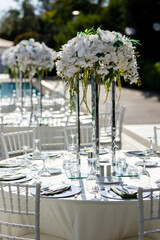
[108, 55]
[29, 56]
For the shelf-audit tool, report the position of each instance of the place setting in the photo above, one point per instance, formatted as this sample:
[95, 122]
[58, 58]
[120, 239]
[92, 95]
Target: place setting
[14, 176]
[58, 190]
[121, 192]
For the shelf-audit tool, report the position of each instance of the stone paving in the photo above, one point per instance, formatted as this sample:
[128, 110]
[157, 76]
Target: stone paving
[141, 115]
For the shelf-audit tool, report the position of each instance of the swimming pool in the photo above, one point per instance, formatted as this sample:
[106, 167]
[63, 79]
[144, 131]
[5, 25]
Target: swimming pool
[7, 89]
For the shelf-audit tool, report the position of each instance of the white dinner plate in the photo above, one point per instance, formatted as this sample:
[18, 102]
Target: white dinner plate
[14, 180]
[147, 163]
[136, 153]
[54, 170]
[69, 193]
[107, 193]
[54, 155]
[101, 152]
[109, 180]
[9, 166]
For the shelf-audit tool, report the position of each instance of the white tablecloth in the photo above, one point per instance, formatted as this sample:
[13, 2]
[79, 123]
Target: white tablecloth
[83, 219]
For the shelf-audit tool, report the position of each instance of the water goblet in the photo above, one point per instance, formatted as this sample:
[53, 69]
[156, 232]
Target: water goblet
[44, 171]
[27, 162]
[36, 153]
[95, 190]
[144, 177]
[150, 151]
[91, 178]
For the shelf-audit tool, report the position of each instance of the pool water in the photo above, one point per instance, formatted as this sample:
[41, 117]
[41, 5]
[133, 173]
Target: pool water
[7, 89]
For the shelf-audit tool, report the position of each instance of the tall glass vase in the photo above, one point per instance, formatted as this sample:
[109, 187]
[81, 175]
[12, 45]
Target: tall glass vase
[113, 130]
[95, 119]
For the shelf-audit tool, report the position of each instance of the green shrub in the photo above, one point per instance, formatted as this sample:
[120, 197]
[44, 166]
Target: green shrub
[150, 75]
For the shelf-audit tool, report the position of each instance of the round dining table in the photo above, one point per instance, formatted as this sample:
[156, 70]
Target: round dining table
[80, 214]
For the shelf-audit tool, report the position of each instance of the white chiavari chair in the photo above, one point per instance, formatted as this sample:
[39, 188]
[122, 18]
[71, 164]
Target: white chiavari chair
[157, 138]
[148, 211]
[20, 212]
[13, 142]
[85, 135]
[105, 132]
[51, 138]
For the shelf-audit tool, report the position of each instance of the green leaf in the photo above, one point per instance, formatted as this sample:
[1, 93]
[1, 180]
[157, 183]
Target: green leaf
[134, 42]
[118, 43]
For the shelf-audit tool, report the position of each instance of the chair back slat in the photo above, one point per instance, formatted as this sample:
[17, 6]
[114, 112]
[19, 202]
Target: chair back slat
[148, 213]
[13, 142]
[156, 138]
[11, 199]
[16, 199]
[85, 135]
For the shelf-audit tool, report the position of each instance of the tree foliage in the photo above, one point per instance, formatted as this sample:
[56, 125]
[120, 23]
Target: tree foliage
[53, 22]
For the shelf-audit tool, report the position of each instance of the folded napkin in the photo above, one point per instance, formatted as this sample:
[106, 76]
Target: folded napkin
[124, 192]
[55, 189]
[3, 165]
[8, 177]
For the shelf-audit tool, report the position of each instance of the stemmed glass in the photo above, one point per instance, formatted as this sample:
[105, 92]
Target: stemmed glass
[36, 153]
[150, 151]
[91, 178]
[44, 172]
[26, 160]
[95, 190]
[144, 176]
[72, 149]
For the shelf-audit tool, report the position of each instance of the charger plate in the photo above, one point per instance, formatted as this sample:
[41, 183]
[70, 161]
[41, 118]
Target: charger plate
[101, 152]
[69, 193]
[107, 193]
[147, 163]
[109, 180]
[136, 153]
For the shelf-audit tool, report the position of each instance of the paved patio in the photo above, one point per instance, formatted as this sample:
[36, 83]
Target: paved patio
[141, 115]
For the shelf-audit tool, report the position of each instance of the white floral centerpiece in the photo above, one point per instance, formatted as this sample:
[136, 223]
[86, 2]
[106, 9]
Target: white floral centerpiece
[103, 54]
[29, 57]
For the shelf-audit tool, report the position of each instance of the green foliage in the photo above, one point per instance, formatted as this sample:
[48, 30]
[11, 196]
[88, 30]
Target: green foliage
[54, 24]
[150, 74]
[70, 30]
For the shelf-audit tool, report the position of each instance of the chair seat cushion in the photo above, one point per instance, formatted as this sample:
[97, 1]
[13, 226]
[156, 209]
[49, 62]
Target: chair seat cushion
[43, 237]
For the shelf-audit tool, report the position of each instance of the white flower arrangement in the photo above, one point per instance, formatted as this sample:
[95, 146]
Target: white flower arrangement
[103, 54]
[29, 57]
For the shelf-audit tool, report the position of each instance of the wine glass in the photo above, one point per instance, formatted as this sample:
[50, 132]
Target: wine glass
[91, 178]
[144, 177]
[27, 162]
[72, 149]
[36, 153]
[44, 171]
[95, 190]
[150, 151]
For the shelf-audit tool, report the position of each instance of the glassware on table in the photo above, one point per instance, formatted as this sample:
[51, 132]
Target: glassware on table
[144, 177]
[150, 151]
[95, 190]
[36, 154]
[91, 178]
[44, 171]
[27, 162]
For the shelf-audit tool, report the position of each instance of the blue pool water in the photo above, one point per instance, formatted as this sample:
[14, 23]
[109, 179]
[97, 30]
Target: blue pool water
[7, 89]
